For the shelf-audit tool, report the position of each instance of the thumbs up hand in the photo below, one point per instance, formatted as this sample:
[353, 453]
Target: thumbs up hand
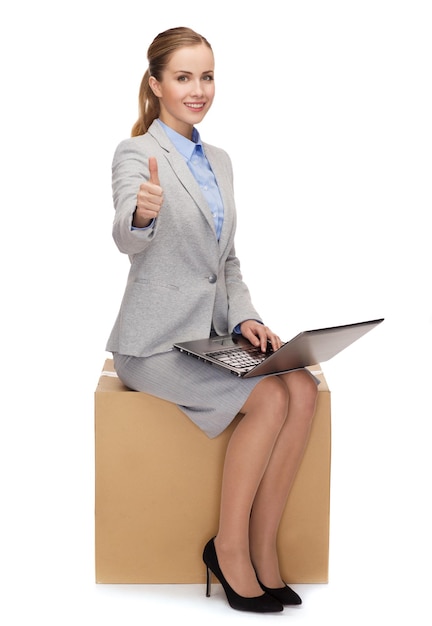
[149, 198]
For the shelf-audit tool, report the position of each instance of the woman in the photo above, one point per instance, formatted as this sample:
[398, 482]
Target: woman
[175, 218]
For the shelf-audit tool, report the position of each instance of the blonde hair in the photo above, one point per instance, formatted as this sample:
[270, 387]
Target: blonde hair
[158, 56]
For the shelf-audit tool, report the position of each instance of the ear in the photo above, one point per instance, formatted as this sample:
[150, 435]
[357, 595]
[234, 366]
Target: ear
[155, 87]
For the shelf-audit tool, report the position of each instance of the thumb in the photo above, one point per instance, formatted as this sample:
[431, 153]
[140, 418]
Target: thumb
[153, 169]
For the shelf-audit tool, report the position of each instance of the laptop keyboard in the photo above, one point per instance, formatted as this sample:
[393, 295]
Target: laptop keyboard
[239, 357]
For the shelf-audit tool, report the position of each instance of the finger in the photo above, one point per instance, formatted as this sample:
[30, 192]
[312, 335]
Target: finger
[250, 336]
[153, 169]
[264, 341]
[275, 342]
[258, 337]
[267, 339]
[148, 200]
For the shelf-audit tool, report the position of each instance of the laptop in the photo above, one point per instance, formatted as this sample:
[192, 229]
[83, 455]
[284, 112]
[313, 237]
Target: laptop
[237, 355]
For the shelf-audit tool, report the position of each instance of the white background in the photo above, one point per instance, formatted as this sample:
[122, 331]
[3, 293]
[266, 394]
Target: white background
[325, 108]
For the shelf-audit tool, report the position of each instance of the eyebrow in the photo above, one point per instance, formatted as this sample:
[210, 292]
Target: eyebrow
[187, 72]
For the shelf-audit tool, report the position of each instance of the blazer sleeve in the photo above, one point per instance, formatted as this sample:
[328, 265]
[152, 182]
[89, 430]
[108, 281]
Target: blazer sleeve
[240, 307]
[129, 171]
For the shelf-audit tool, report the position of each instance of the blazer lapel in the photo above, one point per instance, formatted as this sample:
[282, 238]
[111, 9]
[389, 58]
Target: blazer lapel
[225, 188]
[182, 172]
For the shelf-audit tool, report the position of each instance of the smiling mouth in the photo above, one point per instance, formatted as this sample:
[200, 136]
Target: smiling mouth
[195, 106]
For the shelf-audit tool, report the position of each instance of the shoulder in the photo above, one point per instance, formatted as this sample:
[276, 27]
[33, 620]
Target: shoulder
[219, 160]
[153, 141]
[216, 152]
[134, 145]
[135, 151]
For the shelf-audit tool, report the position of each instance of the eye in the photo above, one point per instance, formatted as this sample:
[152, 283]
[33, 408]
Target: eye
[208, 77]
[182, 79]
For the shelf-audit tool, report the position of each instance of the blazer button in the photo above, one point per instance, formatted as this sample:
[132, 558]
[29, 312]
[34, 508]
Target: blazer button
[212, 278]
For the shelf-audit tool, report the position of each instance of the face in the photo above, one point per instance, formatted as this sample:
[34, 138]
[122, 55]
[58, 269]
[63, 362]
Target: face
[186, 89]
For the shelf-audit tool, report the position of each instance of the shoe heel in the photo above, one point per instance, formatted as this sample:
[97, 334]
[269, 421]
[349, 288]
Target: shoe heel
[208, 587]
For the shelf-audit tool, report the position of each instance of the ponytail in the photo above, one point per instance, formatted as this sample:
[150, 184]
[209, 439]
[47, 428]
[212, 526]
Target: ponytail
[148, 105]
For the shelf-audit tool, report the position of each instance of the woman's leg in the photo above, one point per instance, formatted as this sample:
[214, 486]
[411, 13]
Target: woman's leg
[247, 459]
[275, 486]
[262, 459]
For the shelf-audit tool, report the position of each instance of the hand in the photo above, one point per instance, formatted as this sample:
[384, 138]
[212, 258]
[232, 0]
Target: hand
[259, 335]
[149, 198]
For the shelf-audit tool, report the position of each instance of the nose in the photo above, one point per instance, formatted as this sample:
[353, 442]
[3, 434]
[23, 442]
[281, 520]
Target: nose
[197, 89]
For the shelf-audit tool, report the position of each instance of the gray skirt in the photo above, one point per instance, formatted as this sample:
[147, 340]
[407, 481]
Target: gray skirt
[210, 397]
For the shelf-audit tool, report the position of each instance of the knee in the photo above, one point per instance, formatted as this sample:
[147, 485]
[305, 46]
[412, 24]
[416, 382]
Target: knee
[302, 391]
[270, 399]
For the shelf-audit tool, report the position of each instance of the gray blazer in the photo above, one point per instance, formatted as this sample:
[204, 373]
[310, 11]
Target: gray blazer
[182, 280]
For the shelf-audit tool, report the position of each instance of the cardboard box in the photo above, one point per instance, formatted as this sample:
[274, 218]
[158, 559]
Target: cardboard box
[158, 480]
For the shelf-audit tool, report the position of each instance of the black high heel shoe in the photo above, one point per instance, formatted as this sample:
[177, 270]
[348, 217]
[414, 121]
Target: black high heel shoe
[258, 604]
[285, 595]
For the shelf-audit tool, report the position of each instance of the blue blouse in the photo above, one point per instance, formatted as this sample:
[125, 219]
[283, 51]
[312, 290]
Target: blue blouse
[196, 160]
